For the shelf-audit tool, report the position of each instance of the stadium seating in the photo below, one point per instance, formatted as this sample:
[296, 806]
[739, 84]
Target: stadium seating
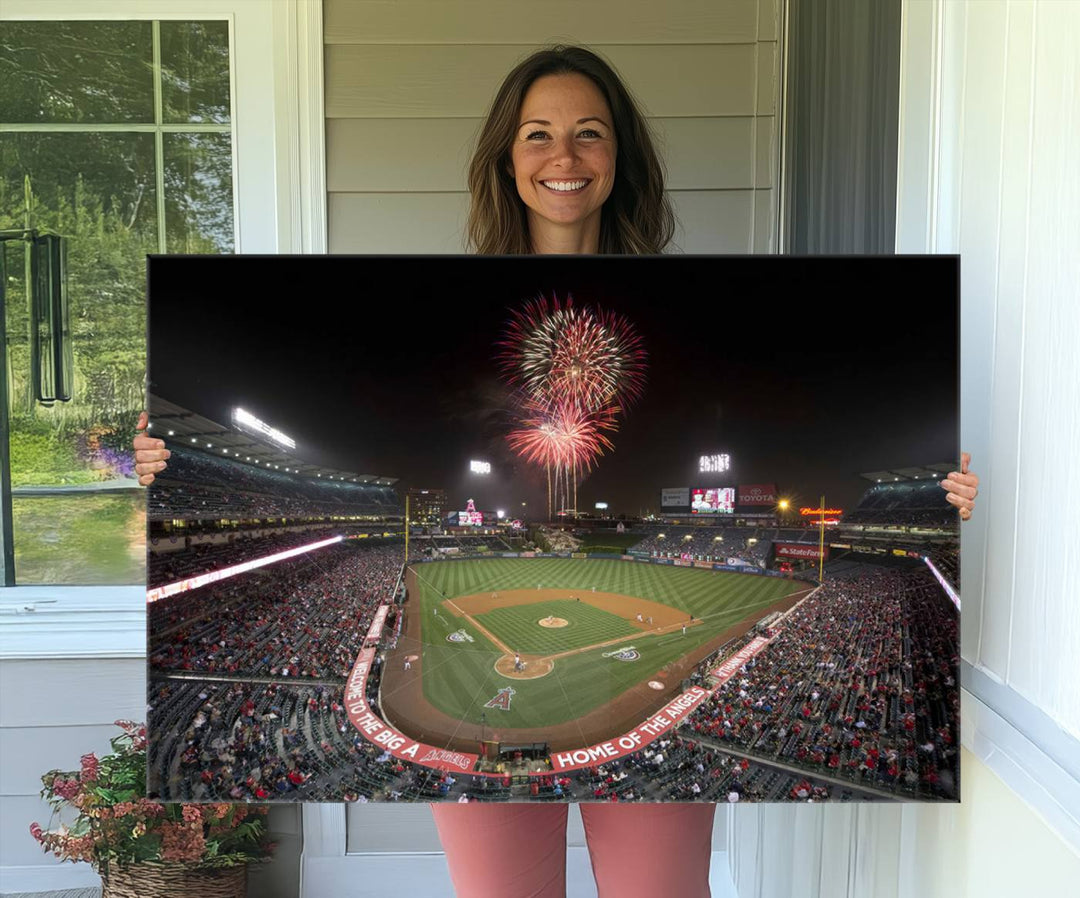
[907, 504]
[201, 485]
[859, 683]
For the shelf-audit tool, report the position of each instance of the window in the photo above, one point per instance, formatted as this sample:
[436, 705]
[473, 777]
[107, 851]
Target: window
[118, 137]
[275, 90]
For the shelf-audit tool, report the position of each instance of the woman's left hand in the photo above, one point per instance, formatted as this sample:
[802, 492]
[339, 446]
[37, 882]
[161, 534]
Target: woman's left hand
[962, 487]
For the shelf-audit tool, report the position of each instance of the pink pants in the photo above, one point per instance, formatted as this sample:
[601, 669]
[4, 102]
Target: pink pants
[519, 850]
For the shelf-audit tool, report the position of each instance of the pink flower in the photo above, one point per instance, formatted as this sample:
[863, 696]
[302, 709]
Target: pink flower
[149, 808]
[89, 767]
[192, 814]
[66, 789]
[36, 832]
[181, 842]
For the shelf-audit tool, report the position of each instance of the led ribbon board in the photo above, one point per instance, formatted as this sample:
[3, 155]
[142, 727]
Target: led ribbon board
[171, 589]
[949, 591]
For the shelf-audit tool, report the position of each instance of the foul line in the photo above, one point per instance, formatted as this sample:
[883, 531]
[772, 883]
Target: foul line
[491, 636]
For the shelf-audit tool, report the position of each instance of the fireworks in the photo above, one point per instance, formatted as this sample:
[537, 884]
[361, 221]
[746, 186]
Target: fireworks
[575, 368]
[561, 353]
[562, 435]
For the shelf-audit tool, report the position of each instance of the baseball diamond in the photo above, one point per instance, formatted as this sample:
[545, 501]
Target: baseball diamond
[578, 683]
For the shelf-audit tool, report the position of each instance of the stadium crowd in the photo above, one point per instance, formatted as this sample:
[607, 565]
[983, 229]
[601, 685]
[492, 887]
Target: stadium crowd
[293, 741]
[304, 616]
[905, 505]
[192, 560]
[456, 544]
[198, 484]
[860, 682]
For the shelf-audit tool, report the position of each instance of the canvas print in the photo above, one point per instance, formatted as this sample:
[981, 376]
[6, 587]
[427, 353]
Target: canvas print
[553, 529]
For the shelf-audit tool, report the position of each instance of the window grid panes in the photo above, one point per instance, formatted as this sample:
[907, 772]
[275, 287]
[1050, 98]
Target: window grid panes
[117, 136]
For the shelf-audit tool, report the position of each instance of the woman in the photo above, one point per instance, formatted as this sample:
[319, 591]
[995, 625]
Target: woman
[565, 164]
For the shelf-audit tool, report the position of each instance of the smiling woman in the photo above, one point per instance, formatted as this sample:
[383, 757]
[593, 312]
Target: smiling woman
[565, 164]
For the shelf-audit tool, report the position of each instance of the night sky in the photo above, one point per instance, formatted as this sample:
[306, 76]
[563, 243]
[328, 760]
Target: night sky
[806, 371]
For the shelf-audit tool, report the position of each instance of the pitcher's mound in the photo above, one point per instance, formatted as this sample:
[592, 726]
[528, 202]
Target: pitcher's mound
[531, 668]
[553, 622]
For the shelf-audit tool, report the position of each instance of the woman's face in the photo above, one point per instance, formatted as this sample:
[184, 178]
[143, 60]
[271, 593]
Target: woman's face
[563, 154]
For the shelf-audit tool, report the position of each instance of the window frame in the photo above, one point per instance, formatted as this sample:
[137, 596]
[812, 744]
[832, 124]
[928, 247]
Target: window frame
[1032, 753]
[276, 89]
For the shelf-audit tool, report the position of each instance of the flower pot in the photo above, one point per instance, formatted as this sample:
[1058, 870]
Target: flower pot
[174, 881]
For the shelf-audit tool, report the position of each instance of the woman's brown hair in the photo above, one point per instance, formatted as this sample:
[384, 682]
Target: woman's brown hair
[636, 219]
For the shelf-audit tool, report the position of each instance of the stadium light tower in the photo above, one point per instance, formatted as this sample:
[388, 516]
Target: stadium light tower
[249, 423]
[480, 467]
[783, 505]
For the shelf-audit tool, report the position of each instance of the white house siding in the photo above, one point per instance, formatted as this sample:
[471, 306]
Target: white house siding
[408, 84]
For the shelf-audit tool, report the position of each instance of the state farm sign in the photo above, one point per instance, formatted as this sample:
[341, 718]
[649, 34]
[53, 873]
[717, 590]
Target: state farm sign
[793, 551]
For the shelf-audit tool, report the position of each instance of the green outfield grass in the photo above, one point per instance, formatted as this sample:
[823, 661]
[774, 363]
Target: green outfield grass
[517, 626]
[460, 678]
[608, 541]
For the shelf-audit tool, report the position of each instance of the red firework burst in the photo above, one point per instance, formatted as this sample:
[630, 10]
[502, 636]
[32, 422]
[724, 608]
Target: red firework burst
[571, 354]
[562, 435]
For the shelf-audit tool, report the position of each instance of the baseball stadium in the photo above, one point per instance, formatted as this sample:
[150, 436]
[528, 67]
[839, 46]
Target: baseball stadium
[509, 600]
[568, 652]
[476, 668]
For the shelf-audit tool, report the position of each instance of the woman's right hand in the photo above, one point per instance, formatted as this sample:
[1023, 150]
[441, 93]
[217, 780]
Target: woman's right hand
[150, 454]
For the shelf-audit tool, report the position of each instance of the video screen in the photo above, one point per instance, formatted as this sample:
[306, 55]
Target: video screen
[713, 501]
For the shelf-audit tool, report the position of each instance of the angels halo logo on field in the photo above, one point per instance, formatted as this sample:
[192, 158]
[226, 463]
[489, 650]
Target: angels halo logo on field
[628, 654]
[502, 698]
[459, 636]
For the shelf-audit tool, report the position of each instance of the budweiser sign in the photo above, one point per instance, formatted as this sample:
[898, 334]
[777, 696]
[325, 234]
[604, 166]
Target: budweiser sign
[757, 494]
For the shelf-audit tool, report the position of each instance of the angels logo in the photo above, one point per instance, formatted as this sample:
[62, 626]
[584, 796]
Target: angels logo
[438, 756]
[502, 700]
[459, 636]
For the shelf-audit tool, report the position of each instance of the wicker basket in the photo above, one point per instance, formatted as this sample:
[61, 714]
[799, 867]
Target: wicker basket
[174, 881]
